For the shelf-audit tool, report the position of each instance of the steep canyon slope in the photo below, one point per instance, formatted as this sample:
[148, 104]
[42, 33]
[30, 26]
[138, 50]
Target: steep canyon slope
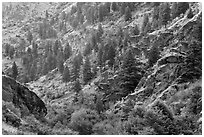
[102, 68]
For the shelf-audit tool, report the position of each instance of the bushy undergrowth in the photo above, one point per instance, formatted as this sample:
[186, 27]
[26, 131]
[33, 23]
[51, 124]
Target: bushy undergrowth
[82, 120]
[40, 128]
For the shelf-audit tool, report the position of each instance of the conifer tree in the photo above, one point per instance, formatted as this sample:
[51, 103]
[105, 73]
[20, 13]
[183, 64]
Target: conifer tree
[33, 70]
[56, 47]
[99, 32]
[164, 13]
[80, 58]
[45, 68]
[107, 6]
[52, 21]
[122, 8]
[100, 57]
[93, 41]
[153, 55]
[181, 7]
[130, 74]
[155, 17]
[101, 13]
[77, 86]
[51, 60]
[60, 65]
[111, 53]
[145, 21]
[35, 50]
[66, 75]
[174, 10]
[87, 49]
[46, 14]
[11, 52]
[136, 30]
[14, 70]
[147, 28]
[190, 13]
[7, 48]
[63, 15]
[29, 37]
[114, 6]
[87, 75]
[125, 41]
[128, 15]
[77, 60]
[67, 51]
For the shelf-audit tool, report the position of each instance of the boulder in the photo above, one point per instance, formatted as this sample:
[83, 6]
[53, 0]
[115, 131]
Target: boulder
[22, 97]
[171, 58]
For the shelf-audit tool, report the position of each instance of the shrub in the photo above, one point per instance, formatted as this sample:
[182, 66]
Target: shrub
[161, 124]
[64, 117]
[195, 104]
[83, 121]
[107, 128]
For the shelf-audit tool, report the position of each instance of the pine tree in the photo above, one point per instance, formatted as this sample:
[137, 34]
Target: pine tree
[45, 68]
[130, 74]
[100, 57]
[52, 21]
[145, 21]
[111, 53]
[33, 70]
[153, 55]
[51, 60]
[190, 13]
[66, 75]
[125, 41]
[93, 41]
[101, 13]
[11, 52]
[77, 60]
[63, 15]
[73, 10]
[46, 14]
[7, 48]
[60, 65]
[14, 70]
[80, 58]
[131, 5]
[122, 8]
[128, 15]
[87, 75]
[181, 7]
[107, 6]
[35, 50]
[77, 86]
[164, 13]
[147, 28]
[155, 17]
[29, 37]
[174, 10]
[87, 50]
[114, 6]
[67, 51]
[56, 47]
[99, 32]
[136, 30]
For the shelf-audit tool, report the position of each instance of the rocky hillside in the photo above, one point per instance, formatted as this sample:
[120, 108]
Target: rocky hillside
[102, 68]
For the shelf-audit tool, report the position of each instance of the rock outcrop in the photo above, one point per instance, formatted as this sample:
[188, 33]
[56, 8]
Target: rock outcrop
[22, 97]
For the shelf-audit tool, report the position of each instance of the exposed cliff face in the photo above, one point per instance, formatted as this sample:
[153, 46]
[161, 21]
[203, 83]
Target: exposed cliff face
[172, 74]
[22, 97]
